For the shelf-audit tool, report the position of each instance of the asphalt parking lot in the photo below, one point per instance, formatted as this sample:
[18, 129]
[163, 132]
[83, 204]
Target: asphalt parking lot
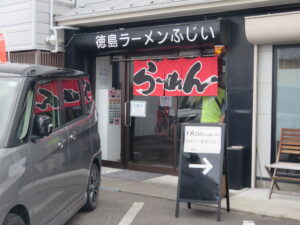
[121, 208]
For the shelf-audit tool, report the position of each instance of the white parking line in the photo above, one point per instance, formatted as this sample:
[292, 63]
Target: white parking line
[248, 222]
[131, 213]
[107, 188]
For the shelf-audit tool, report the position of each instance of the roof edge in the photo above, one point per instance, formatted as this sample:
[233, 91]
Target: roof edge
[90, 19]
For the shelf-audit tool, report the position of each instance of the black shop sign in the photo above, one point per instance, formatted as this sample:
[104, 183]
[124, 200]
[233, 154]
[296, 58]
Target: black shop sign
[201, 165]
[184, 34]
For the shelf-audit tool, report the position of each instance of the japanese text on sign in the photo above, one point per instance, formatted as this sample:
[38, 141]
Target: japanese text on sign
[138, 108]
[180, 77]
[189, 34]
[202, 139]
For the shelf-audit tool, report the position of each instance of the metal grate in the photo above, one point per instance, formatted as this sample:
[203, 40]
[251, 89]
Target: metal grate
[38, 57]
[52, 59]
[22, 57]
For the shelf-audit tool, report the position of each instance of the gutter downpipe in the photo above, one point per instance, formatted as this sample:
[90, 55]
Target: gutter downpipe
[53, 28]
[254, 119]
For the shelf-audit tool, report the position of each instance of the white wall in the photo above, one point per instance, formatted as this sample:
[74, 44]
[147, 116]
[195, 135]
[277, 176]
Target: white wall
[83, 2]
[42, 22]
[16, 24]
[110, 134]
[264, 108]
[26, 23]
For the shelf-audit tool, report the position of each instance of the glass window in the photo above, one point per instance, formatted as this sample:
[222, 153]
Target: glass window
[189, 109]
[88, 96]
[9, 89]
[47, 101]
[204, 109]
[23, 126]
[288, 91]
[72, 99]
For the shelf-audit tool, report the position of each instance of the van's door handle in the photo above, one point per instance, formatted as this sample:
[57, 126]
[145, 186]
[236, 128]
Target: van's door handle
[73, 136]
[61, 143]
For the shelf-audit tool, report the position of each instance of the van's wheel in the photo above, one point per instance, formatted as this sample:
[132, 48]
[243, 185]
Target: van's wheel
[13, 219]
[92, 189]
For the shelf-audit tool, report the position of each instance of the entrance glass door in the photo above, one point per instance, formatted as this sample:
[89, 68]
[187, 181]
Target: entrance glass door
[152, 131]
[161, 94]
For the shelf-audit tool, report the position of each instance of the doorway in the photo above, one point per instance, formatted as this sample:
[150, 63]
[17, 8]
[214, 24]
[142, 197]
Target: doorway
[151, 130]
[152, 133]
[153, 120]
[149, 135]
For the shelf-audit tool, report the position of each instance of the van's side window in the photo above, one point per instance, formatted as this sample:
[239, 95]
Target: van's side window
[23, 125]
[88, 96]
[72, 99]
[47, 101]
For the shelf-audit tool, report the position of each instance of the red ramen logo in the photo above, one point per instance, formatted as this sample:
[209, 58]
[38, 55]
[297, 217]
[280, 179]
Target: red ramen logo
[175, 77]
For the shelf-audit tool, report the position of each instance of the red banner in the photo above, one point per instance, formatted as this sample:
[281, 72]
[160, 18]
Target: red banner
[178, 77]
[148, 78]
[71, 93]
[47, 97]
[2, 49]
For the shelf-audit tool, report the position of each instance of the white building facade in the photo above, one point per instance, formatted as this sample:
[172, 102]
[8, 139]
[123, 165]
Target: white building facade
[30, 32]
[265, 32]
[274, 61]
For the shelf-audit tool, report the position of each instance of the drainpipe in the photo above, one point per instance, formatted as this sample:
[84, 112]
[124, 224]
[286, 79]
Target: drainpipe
[254, 119]
[53, 38]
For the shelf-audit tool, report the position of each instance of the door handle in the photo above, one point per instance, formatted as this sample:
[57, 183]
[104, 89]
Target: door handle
[175, 120]
[73, 136]
[125, 114]
[61, 144]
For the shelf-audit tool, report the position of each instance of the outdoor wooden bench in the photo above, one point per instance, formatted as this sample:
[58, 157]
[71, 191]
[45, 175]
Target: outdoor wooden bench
[285, 170]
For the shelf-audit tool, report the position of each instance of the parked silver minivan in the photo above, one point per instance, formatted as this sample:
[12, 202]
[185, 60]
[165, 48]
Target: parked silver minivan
[50, 157]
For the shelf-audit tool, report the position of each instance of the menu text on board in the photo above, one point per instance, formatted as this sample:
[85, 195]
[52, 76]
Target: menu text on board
[202, 139]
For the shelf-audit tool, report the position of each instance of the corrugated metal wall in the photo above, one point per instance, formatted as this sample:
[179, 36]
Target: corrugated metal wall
[22, 57]
[38, 57]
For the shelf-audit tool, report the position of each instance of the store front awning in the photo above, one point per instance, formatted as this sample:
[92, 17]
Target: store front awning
[120, 11]
[281, 28]
[153, 37]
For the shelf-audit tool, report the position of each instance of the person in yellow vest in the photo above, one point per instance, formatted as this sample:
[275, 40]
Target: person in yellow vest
[213, 108]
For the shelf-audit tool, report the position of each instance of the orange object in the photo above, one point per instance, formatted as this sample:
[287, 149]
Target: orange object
[2, 49]
[219, 49]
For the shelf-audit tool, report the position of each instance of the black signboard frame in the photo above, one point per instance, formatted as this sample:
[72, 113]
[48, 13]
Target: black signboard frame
[209, 32]
[195, 185]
